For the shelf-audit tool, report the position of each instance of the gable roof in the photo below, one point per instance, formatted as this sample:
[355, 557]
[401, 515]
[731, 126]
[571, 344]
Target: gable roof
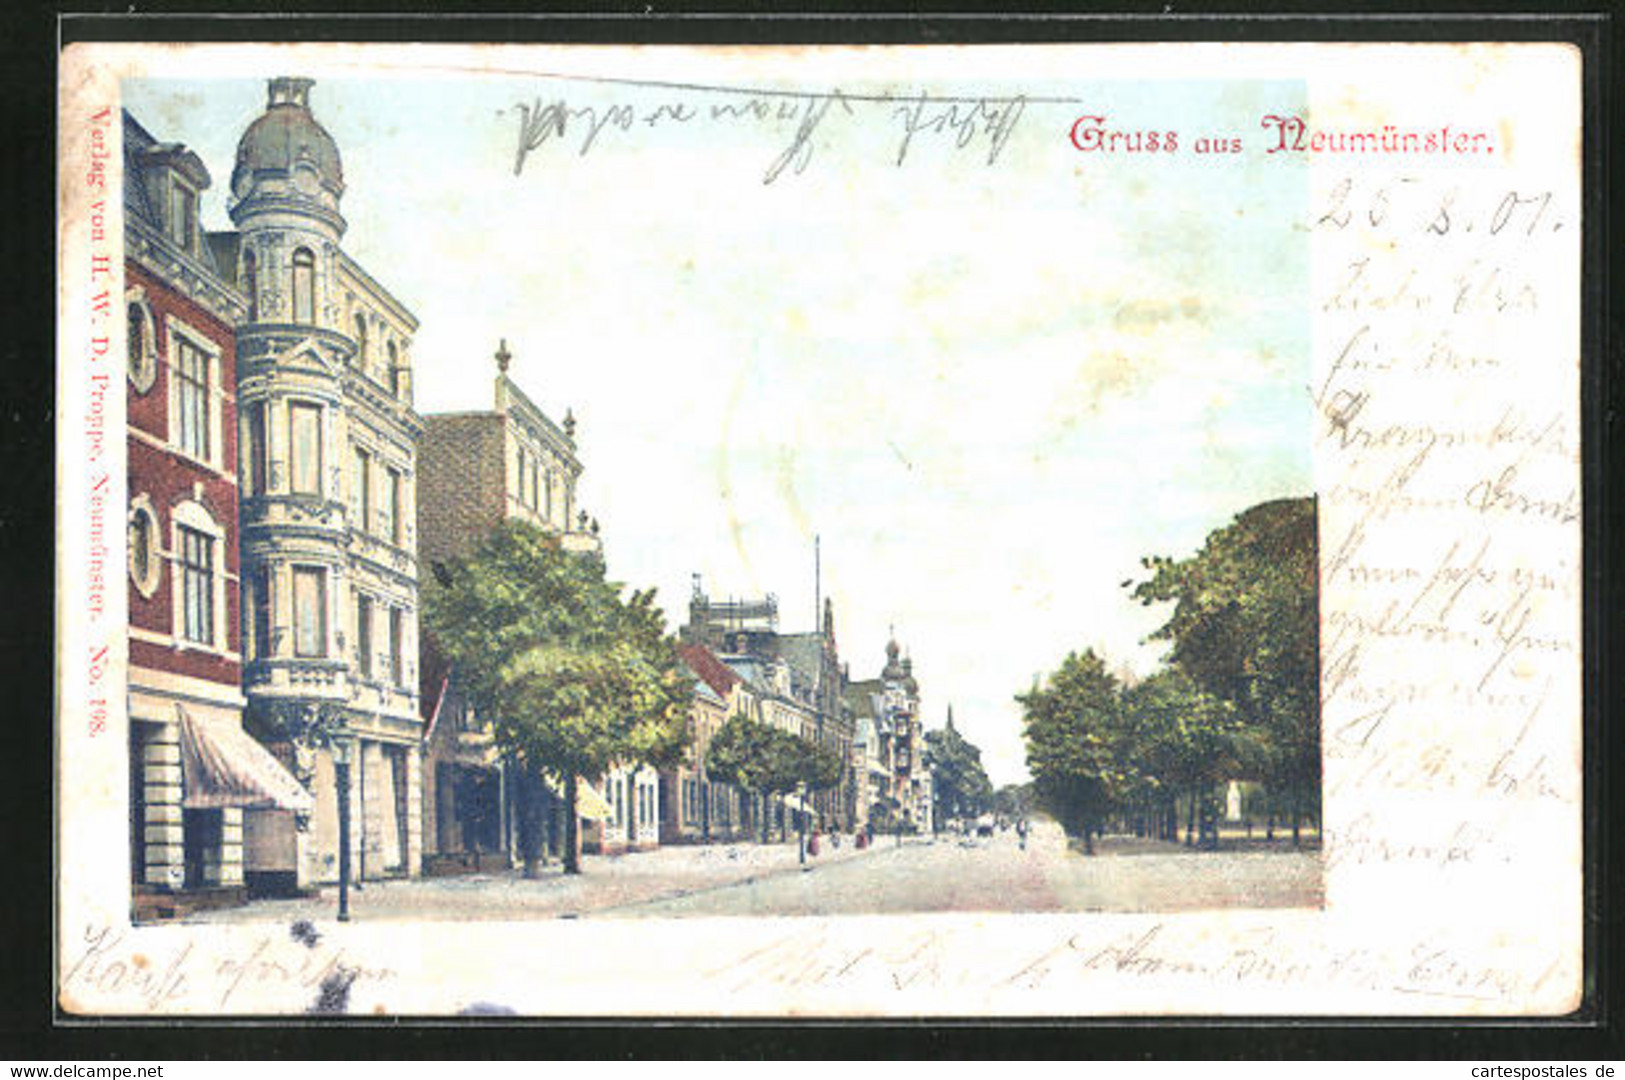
[713, 672]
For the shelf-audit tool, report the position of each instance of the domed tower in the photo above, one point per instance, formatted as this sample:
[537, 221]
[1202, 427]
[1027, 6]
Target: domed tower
[285, 187]
[285, 190]
[328, 491]
[893, 669]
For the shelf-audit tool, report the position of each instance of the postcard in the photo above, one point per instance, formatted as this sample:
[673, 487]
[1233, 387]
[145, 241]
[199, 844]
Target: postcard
[932, 531]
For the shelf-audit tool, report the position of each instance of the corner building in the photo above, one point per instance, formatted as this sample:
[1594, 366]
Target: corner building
[328, 435]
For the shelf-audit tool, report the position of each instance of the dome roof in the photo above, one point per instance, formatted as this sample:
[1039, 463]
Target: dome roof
[286, 135]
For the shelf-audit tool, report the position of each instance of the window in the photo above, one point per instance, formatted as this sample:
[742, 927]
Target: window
[144, 564]
[361, 341]
[305, 429]
[547, 507]
[309, 611]
[524, 473]
[304, 286]
[394, 526]
[142, 363]
[192, 401]
[397, 635]
[363, 634]
[394, 369]
[254, 415]
[361, 489]
[197, 586]
[260, 602]
[182, 214]
[140, 544]
[251, 284]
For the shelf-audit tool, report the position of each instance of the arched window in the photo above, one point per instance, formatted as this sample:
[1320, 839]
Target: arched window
[361, 341]
[251, 284]
[197, 552]
[304, 286]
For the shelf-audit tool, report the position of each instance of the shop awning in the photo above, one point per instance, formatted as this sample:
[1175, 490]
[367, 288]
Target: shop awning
[590, 804]
[222, 765]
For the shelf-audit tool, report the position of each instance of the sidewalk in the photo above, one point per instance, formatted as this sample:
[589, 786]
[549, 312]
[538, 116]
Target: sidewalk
[605, 883]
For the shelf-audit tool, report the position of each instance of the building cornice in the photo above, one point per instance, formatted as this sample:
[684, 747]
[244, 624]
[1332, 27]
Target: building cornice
[182, 271]
[378, 292]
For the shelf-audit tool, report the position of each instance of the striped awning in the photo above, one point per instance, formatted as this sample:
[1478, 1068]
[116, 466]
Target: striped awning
[222, 765]
[590, 804]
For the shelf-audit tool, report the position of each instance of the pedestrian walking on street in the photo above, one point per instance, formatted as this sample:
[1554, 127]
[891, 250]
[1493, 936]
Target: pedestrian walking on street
[1021, 833]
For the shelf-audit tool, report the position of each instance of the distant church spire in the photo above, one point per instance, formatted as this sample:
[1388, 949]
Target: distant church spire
[950, 717]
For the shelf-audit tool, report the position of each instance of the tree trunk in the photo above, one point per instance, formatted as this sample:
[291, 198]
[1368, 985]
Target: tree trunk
[572, 827]
[530, 827]
[1190, 819]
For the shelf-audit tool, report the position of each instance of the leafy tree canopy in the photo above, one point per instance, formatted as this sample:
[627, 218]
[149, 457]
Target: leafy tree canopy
[1245, 630]
[575, 677]
[959, 783]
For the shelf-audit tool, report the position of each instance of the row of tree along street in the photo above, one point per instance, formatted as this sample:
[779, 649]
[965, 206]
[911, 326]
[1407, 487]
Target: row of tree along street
[767, 761]
[1236, 700]
[576, 678]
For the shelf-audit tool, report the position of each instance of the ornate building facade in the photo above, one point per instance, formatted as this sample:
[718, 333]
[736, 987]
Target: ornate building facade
[796, 677]
[329, 462]
[196, 779]
[898, 784]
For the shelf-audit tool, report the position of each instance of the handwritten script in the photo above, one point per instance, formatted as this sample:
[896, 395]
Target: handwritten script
[792, 118]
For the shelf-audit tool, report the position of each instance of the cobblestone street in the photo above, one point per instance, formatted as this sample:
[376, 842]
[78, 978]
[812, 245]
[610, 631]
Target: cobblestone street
[948, 873]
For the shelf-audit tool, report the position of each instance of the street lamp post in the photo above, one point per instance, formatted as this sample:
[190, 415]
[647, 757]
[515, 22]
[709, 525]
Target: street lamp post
[801, 818]
[341, 779]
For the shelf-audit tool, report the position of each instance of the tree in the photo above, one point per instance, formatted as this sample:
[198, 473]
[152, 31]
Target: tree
[819, 766]
[756, 758]
[1245, 629]
[1181, 740]
[1072, 728]
[958, 780]
[575, 678]
[1013, 801]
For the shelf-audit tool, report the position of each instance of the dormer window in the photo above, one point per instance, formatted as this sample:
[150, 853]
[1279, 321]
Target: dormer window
[182, 215]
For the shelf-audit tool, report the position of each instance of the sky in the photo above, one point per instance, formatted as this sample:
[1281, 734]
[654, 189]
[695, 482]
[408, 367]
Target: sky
[988, 388]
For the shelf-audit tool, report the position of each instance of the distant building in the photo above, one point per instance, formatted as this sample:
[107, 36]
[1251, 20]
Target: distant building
[195, 776]
[475, 471]
[695, 808]
[891, 703]
[797, 679]
[330, 568]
